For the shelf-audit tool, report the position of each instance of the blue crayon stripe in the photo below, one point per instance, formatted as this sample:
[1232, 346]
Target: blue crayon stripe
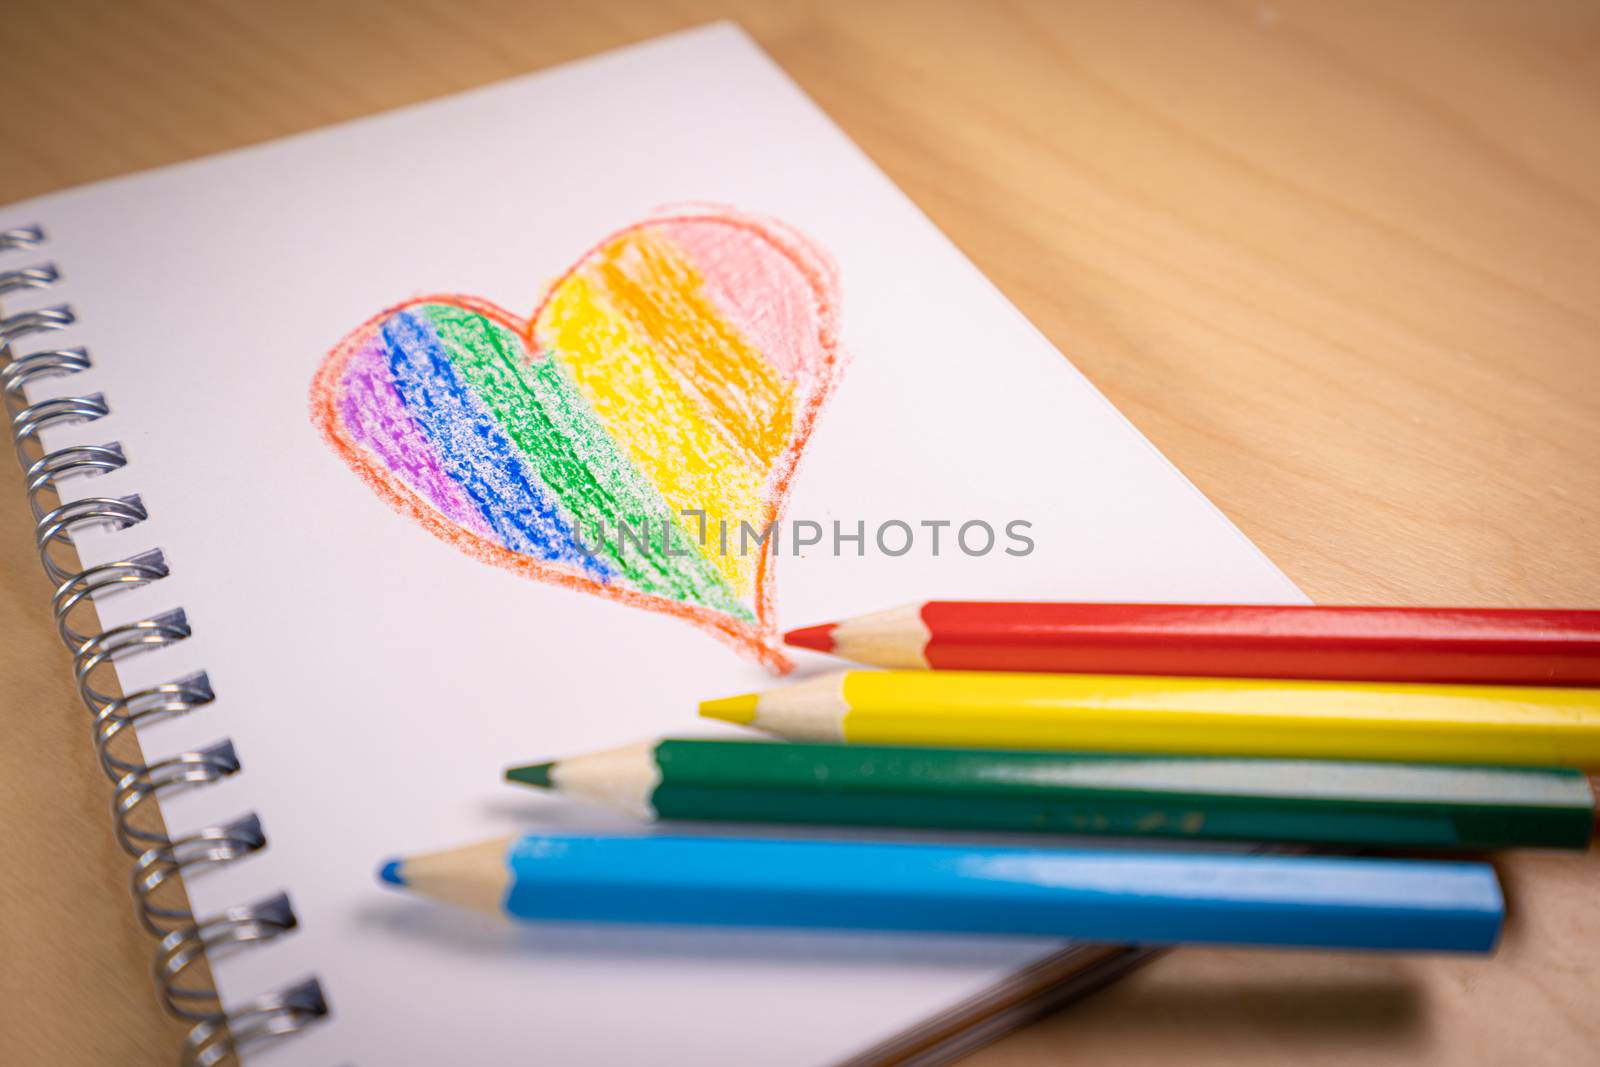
[1151, 898]
[474, 451]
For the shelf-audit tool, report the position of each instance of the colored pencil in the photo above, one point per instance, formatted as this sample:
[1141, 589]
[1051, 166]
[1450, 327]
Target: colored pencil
[1526, 726]
[1140, 897]
[1478, 645]
[1393, 805]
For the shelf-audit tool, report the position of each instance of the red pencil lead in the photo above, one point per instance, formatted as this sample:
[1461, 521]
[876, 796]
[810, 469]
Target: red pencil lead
[817, 638]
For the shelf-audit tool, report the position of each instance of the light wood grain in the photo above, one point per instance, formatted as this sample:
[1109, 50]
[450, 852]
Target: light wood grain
[1340, 261]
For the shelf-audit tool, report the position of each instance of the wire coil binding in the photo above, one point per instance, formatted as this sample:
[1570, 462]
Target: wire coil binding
[162, 860]
[286, 1011]
[184, 856]
[52, 363]
[50, 468]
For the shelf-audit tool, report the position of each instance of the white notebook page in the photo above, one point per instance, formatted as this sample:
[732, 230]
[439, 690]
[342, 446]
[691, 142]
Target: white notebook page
[375, 680]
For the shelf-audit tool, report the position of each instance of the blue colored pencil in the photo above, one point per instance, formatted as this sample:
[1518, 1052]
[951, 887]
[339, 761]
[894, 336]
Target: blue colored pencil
[1100, 895]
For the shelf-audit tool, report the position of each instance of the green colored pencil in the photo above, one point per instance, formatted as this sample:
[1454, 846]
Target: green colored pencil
[1313, 801]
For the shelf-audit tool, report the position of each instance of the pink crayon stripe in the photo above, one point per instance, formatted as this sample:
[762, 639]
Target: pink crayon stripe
[376, 417]
[757, 289]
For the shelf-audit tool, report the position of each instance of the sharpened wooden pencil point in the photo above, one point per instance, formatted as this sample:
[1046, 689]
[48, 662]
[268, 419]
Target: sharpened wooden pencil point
[740, 709]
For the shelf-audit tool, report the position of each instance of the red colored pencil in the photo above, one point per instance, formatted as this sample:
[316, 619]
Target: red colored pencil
[1498, 646]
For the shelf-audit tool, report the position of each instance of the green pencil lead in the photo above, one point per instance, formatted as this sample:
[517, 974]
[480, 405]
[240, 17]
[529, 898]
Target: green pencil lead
[533, 774]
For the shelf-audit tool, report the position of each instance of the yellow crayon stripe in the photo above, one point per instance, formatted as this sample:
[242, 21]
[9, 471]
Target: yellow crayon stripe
[697, 410]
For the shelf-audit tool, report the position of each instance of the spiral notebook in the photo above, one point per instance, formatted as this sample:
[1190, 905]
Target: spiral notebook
[394, 453]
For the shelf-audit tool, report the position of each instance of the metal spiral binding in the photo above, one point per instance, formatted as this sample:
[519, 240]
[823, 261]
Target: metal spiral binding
[40, 277]
[173, 774]
[162, 860]
[54, 466]
[53, 363]
[285, 1011]
[149, 705]
[103, 648]
[102, 579]
[210, 939]
[26, 423]
[21, 237]
[211, 846]
[56, 526]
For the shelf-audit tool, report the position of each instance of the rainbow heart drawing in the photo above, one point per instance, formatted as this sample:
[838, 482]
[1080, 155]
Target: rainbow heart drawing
[666, 384]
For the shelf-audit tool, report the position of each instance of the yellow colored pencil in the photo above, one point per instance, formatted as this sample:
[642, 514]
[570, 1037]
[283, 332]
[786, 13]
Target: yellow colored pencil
[1520, 725]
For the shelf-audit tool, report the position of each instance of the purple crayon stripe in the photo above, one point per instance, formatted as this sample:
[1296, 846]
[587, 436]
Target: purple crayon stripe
[375, 416]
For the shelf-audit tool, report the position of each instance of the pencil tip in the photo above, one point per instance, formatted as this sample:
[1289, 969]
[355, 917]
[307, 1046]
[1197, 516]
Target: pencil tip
[739, 709]
[818, 638]
[390, 872]
[533, 774]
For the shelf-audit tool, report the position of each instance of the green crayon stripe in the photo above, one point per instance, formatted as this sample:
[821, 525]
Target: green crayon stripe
[553, 426]
[1312, 801]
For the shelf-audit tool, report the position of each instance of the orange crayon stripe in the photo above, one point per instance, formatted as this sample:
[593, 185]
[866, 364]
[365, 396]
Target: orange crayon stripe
[650, 284]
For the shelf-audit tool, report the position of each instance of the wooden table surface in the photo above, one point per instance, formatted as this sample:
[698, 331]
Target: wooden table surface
[1339, 261]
